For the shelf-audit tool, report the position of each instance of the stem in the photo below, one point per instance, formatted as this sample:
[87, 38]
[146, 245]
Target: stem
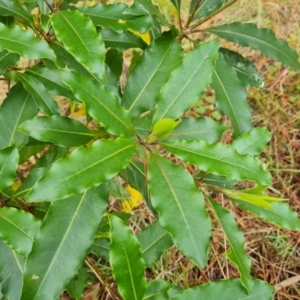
[191, 16]
[50, 7]
[201, 21]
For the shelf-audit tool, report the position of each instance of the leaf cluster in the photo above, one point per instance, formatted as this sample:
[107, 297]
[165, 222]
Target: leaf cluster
[122, 126]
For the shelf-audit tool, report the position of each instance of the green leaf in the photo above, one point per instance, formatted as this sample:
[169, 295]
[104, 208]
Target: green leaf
[252, 196]
[197, 129]
[80, 38]
[9, 158]
[231, 97]
[178, 196]
[29, 182]
[56, 253]
[245, 69]
[228, 290]
[121, 41]
[24, 43]
[262, 39]
[11, 269]
[17, 229]
[143, 126]
[82, 169]
[7, 21]
[112, 16]
[101, 104]
[51, 156]
[252, 142]
[142, 7]
[29, 150]
[135, 175]
[154, 241]
[175, 99]
[101, 248]
[7, 59]
[157, 290]
[150, 73]
[177, 4]
[236, 242]
[162, 128]
[59, 130]
[280, 214]
[50, 78]
[125, 258]
[15, 9]
[221, 181]
[114, 60]
[19, 106]
[78, 284]
[41, 95]
[220, 159]
[206, 8]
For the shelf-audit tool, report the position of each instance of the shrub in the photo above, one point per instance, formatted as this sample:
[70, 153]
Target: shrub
[135, 141]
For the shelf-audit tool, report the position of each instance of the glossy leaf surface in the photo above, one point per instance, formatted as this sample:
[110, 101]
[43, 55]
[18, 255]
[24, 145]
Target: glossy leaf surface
[206, 8]
[61, 131]
[82, 169]
[154, 241]
[101, 104]
[17, 229]
[125, 258]
[19, 106]
[236, 242]
[173, 193]
[190, 129]
[157, 290]
[112, 16]
[50, 78]
[231, 97]
[11, 272]
[7, 59]
[262, 39]
[188, 82]
[15, 9]
[56, 252]
[228, 290]
[80, 38]
[24, 43]
[280, 214]
[252, 142]
[41, 95]
[9, 158]
[121, 41]
[29, 182]
[220, 159]
[150, 73]
[244, 68]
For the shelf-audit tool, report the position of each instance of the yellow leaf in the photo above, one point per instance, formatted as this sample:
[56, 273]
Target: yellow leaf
[16, 184]
[144, 36]
[79, 113]
[135, 199]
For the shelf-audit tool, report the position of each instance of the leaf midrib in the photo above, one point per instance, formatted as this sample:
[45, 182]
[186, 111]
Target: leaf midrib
[210, 157]
[176, 200]
[61, 243]
[253, 38]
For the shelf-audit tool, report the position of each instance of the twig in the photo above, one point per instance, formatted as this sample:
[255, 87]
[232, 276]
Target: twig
[285, 283]
[201, 21]
[191, 16]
